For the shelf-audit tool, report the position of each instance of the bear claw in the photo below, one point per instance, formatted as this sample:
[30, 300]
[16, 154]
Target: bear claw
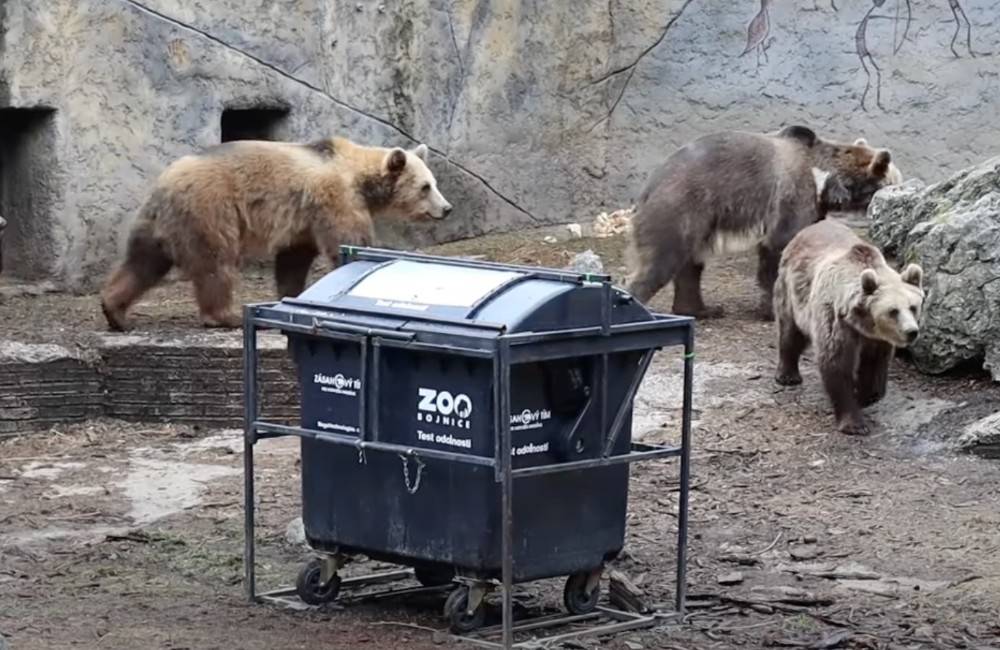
[788, 379]
[116, 321]
[854, 427]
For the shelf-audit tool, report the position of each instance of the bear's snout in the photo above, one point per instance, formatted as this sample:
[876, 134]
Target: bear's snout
[911, 335]
[443, 211]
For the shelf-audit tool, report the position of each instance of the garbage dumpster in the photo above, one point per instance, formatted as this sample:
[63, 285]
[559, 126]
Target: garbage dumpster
[428, 384]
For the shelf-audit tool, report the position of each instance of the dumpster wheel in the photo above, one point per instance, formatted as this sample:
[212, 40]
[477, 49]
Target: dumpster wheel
[577, 598]
[456, 611]
[309, 588]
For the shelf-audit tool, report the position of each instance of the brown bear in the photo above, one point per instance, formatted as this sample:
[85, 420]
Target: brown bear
[728, 191]
[836, 291]
[254, 199]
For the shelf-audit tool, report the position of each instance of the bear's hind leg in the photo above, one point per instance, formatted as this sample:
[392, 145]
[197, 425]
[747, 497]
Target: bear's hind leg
[291, 268]
[873, 371]
[146, 263]
[687, 293]
[768, 258]
[214, 285]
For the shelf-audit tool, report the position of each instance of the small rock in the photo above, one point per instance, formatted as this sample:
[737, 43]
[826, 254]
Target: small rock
[586, 262]
[632, 645]
[439, 637]
[575, 230]
[295, 532]
[982, 436]
[733, 578]
[549, 239]
[802, 553]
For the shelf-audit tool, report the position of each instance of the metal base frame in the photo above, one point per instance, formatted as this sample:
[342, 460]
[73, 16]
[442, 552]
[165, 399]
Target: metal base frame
[508, 349]
[620, 621]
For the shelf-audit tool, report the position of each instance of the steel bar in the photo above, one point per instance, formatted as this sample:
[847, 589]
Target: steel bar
[685, 474]
[269, 430]
[507, 497]
[626, 405]
[249, 439]
[665, 452]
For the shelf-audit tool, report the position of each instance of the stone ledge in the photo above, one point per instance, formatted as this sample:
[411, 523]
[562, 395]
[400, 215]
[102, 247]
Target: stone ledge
[192, 378]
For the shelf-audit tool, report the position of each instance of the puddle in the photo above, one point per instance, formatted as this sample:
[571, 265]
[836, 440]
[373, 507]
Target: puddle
[228, 440]
[159, 488]
[61, 491]
[47, 470]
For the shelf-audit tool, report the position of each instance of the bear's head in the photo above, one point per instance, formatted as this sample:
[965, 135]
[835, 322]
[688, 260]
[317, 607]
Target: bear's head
[889, 303]
[852, 175]
[407, 188]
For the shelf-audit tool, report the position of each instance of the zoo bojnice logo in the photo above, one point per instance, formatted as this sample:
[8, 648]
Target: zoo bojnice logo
[441, 407]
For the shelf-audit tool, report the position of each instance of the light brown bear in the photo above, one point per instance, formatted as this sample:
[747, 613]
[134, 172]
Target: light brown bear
[836, 291]
[729, 191]
[253, 199]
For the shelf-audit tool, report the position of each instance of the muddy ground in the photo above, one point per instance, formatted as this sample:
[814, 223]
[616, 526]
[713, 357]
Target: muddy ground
[116, 535]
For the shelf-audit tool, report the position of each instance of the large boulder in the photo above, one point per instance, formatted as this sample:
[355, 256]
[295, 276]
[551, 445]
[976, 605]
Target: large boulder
[952, 229]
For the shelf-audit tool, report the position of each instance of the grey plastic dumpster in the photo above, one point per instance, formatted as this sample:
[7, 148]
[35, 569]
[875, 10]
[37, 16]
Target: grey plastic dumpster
[428, 384]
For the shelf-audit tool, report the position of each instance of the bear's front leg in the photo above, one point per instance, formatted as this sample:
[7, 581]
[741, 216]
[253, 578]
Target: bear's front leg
[791, 343]
[837, 361]
[214, 285]
[872, 377]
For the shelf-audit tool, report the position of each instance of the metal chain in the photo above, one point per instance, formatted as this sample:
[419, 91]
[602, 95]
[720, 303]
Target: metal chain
[406, 472]
[362, 459]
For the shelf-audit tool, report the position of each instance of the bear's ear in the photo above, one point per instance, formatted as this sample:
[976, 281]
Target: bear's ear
[913, 274]
[395, 161]
[803, 134]
[869, 281]
[420, 151]
[880, 163]
[860, 142]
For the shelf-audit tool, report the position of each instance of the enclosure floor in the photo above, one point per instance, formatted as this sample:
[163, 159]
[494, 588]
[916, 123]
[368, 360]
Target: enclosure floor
[124, 536]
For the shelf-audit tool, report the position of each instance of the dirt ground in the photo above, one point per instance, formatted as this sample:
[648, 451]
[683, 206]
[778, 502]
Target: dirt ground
[116, 535]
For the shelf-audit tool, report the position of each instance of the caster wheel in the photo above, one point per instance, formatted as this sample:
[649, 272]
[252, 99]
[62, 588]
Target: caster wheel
[460, 621]
[309, 589]
[436, 577]
[575, 595]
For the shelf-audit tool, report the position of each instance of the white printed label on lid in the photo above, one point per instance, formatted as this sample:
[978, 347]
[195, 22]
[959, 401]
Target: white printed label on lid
[405, 281]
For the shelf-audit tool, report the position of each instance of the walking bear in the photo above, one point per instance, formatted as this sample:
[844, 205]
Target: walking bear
[252, 199]
[836, 291]
[731, 190]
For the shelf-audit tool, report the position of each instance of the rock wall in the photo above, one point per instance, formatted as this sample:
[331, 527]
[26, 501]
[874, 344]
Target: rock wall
[537, 111]
[952, 229]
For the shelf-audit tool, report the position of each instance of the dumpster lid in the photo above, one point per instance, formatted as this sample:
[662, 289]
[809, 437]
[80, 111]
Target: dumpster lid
[419, 284]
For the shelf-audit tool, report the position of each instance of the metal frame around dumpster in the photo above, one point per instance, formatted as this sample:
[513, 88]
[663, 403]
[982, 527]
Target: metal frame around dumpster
[506, 350]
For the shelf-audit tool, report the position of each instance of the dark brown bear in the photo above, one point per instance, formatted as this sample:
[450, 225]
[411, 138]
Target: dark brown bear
[251, 199]
[732, 190]
[837, 292]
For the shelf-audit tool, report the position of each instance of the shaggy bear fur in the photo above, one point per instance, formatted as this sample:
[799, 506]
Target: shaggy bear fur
[729, 191]
[252, 199]
[3, 226]
[836, 291]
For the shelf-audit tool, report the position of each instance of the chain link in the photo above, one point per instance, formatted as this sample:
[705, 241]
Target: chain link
[406, 472]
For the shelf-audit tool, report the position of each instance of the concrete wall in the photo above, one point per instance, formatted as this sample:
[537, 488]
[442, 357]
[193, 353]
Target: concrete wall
[539, 111]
